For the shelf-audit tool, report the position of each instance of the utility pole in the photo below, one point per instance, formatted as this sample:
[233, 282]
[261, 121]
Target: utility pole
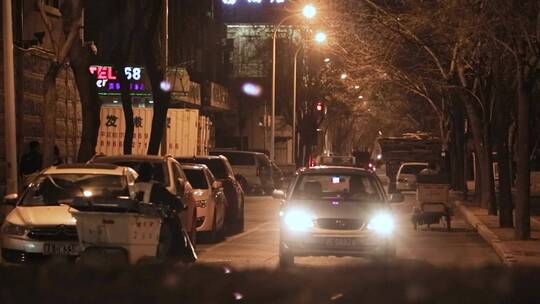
[9, 101]
[165, 64]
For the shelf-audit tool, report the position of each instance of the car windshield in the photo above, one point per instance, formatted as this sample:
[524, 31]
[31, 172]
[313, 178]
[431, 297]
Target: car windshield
[238, 159]
[196, 178]
[216, 166]
[354, 187]
[412, 169]
[159, 169]
[55, 189]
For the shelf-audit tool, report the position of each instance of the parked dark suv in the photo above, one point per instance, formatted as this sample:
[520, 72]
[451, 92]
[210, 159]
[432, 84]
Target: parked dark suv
[253, 170]
[223, 172]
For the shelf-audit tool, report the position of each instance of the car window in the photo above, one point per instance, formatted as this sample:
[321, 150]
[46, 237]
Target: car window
[412, 169]
[217, 166]
[160, 170]
[238, 159]
[352, 187]
[263, 161]
[196, 178]
[54, 189]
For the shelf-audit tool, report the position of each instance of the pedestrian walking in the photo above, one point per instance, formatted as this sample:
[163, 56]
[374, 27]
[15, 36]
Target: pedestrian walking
[31, 162]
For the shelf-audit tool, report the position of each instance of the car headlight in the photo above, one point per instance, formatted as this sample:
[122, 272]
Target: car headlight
[12, 229]
[298, 220]
[382, 223]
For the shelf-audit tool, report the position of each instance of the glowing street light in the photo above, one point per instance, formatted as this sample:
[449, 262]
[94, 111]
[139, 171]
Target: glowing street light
[320, 37]
[309, 11]
[326, 60]
[343, 76]
[360, 97]
[357, 87]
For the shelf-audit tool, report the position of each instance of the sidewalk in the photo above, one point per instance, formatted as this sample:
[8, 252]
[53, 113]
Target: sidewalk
[510, 251]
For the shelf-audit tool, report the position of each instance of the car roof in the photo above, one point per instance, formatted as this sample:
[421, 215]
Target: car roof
[195, 157]
[194, 166]
[334, 170]
[86, 169]
[141, 158]
[413, 164]
[236, 151]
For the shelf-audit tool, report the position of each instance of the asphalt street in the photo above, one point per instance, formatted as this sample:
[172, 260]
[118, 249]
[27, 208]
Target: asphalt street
[257, 246]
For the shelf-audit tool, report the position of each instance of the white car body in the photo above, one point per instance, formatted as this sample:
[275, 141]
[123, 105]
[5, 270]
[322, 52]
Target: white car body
[406, 176]
[334, 221]
[49, 230]
[209, 199]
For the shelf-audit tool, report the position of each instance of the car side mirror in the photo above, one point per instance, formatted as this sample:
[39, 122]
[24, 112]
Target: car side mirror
[278, 194]
[11, 199]
[217, 185]
[396, 197]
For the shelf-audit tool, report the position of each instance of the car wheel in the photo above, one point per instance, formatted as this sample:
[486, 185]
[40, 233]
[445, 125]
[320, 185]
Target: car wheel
[244, 184]
[193, 232]
[240, 219]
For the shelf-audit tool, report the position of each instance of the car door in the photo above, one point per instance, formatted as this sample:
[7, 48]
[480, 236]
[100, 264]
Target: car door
[185, 192]
[218, 196]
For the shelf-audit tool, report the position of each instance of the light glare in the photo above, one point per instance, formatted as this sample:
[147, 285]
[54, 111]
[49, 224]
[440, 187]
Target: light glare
[320, 37]
[382, 223]
[298, 220]
[309, 11]
[252, 89]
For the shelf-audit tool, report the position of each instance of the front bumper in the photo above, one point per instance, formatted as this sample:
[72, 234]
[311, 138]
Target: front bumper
[22, 250]
[332, 244]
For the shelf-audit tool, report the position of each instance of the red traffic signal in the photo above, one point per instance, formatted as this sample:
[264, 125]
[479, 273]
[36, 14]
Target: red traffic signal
[319, 106]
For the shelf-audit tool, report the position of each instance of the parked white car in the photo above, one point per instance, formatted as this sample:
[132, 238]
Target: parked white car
[209, 199]
[406, 176]
[41, 226]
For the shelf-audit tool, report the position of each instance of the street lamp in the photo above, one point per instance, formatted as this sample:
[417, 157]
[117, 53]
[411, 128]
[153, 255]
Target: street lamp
[320, 37]
[343, 76]
[308, 12]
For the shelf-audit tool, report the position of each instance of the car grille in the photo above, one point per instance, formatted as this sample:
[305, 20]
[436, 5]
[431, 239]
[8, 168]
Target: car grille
[339, 224]
[58, 233]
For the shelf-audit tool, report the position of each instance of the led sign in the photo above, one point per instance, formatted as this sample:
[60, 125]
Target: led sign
[106, 80]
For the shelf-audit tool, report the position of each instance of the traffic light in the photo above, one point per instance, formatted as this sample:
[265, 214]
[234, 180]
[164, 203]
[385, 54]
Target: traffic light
[319, 106]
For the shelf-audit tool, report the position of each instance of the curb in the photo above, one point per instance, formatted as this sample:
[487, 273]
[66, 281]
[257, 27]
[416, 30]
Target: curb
[507, 258]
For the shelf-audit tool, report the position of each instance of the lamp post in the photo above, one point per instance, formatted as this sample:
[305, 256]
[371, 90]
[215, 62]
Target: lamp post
[309, 12]
[320, 37]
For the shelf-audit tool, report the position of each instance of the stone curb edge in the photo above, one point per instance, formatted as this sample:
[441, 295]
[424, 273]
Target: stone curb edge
[507, 258]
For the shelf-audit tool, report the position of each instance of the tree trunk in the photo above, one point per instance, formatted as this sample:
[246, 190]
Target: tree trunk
[80, 60]
[488, 182]
[480, 163]
[505, 194]
[49, 113]
[128, 110]
[523, 221]
[456, 150]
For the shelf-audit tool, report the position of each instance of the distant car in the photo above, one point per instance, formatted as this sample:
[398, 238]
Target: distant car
[336, 160]
[406, 175]
[41, 226]
[209, 199]
[336, 211]
[253, 170]
[167, 171]
[223, 172]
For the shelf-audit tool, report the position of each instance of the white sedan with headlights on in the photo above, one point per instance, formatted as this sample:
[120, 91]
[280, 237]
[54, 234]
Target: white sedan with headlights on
[336, 211]
[209, 199]
[41, 226]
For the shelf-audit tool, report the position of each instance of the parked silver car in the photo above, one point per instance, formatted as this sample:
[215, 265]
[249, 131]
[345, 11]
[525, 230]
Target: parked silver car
[336, 211]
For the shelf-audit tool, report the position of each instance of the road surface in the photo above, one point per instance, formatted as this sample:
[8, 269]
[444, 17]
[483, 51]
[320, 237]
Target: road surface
[257, 246]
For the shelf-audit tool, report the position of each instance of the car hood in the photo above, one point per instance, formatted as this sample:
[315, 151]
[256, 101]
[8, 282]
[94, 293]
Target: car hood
[41, 216]
[201, 194]
[339, 208]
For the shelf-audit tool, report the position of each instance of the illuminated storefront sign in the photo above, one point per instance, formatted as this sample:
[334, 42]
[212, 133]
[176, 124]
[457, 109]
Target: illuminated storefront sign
[108, 82]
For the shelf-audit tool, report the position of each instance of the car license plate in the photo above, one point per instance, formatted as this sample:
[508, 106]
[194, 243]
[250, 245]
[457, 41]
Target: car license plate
[60, 249]
[341, 242]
